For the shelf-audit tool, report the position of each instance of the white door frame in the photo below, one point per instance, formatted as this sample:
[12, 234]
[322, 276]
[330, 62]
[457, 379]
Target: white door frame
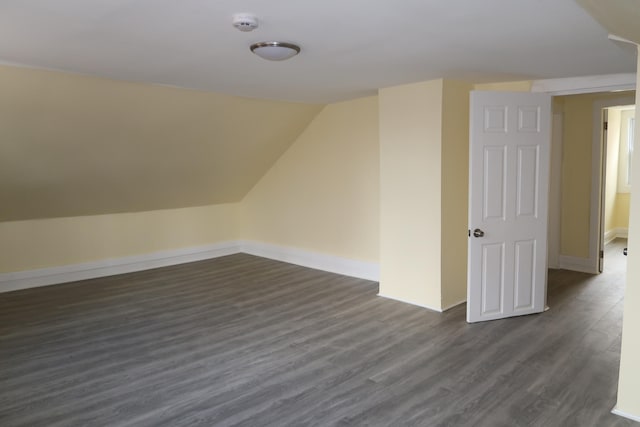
[597, 179]
[576, 86]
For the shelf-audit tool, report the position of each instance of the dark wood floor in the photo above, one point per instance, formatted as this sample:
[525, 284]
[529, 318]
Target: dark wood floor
[241, 340]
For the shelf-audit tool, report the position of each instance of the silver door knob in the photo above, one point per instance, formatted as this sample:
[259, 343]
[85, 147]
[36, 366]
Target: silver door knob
[478, 233]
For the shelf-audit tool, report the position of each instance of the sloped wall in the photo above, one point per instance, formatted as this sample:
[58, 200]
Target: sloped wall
[74, 145]
[322, 194]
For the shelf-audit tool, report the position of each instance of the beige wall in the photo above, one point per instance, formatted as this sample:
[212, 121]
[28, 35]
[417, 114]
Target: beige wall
[74, 145]
[33, 244]
[616, 201]
[621, 211]
[424, 152]
[322, 195]
[455, 191]
[629, 381]
[576, 175]
[411, 192]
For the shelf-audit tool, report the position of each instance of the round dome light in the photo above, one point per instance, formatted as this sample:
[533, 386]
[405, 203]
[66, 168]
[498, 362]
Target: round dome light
[275, 51]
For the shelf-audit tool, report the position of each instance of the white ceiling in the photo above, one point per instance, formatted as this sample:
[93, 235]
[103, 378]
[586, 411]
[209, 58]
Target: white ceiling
[349, 47]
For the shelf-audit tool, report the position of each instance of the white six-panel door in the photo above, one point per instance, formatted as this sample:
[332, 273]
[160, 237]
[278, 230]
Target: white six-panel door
[510, 138]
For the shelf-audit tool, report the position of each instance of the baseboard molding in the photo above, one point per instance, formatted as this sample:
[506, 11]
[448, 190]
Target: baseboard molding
[69, 273]
[615, 233]
[410, 302]
[319, 261]
[616, 411]
[108, 267]
[583, 265]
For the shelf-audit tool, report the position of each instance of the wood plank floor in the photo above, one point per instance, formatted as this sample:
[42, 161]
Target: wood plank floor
[246, 341]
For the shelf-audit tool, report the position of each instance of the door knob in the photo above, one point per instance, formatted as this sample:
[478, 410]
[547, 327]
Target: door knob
[478, 233]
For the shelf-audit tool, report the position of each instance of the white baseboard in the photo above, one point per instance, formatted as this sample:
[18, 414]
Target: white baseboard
[319, 261]
[109, 267]
[616, 411]
[69, 273]
[615, 233]
[410, 302]
[583, 265]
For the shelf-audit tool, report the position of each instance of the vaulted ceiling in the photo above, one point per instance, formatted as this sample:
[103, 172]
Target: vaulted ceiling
[160, 103]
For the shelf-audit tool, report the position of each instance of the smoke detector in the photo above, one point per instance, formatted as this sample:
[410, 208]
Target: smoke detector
[245, 22]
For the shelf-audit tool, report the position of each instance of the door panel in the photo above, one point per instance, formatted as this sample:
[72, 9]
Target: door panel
[492, 278]
[527, 181]
[510, 138]
[525, 274]
[495, 182]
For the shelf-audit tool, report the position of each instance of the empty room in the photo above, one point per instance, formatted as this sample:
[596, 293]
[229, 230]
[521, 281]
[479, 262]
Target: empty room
[408, 213]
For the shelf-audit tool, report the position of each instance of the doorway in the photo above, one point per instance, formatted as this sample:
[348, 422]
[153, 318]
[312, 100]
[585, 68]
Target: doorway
[579, 181]
[618, 143]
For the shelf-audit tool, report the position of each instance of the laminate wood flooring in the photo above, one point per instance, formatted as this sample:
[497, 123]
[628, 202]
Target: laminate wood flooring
[246, 341]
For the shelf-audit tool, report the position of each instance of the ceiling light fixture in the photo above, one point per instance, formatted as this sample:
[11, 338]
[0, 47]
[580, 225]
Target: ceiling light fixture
[275, 51]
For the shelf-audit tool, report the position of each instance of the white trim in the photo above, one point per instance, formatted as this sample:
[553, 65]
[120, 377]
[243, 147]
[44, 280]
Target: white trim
[618, 412]
[615, 233]
[455, 304]
[586, 84]
[410, 302]
[616, 38]
[108, 267]
[555, 192]
[583, 265]
[331, 263]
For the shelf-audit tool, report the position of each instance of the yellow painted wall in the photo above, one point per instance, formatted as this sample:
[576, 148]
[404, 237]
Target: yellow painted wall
[322, 195]
[629, 380]
[455, 189]
[33, 244]
[613, 151]
[617, 201]
[621, 212]
[576, 175]
[410, 192]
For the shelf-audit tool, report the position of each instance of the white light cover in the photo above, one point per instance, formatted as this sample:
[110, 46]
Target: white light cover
[275, 51]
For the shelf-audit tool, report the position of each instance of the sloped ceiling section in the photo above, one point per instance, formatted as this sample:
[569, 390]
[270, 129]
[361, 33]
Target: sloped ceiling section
[73, 145]
[620, 17]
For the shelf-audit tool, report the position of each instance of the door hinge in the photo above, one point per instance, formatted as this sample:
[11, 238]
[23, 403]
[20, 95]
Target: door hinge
[601, 254]
[605, 125]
